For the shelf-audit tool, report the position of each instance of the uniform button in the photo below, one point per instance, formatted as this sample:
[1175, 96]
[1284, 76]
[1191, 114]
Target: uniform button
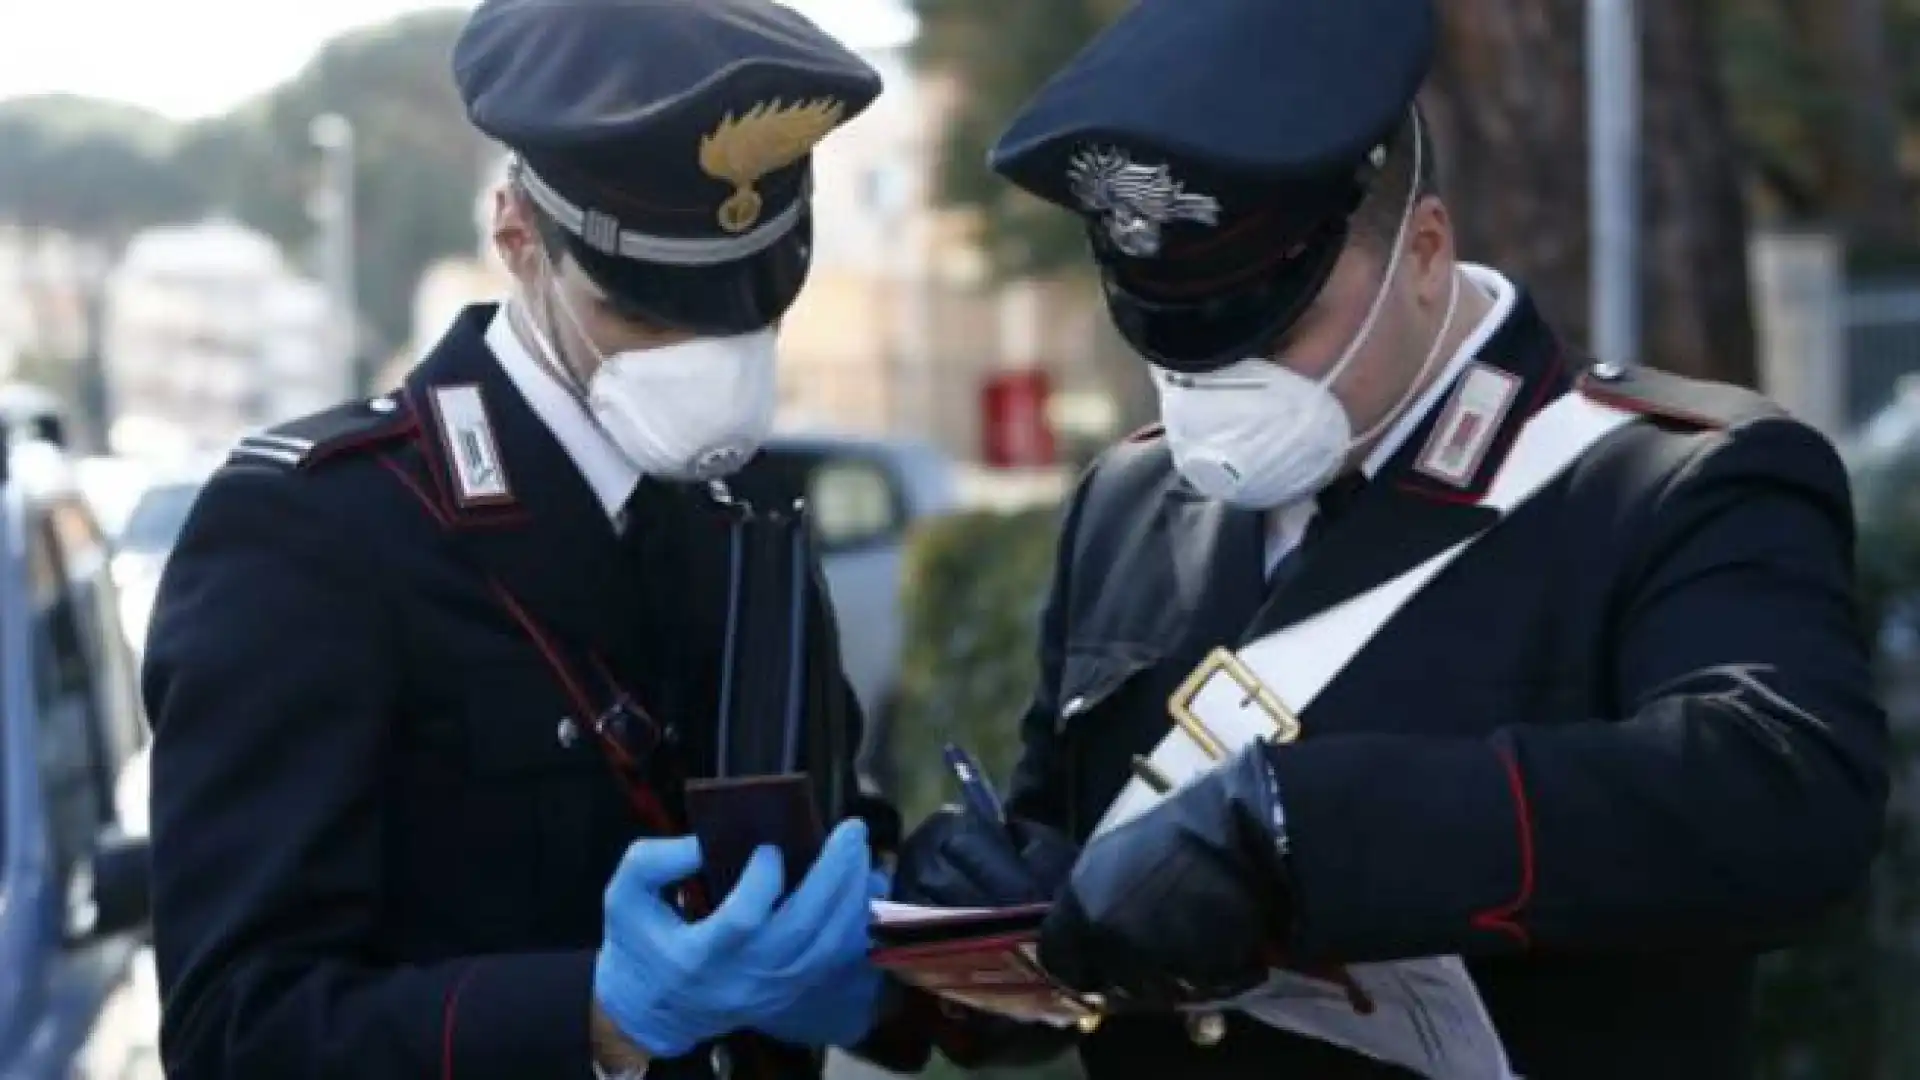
[382, 404]
[1207, 1028]
[567, 733]
[1609, 370]
[1073, 708]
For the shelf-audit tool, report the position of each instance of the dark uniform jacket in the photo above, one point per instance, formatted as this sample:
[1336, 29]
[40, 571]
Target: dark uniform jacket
[383, 822]
[1623, 743]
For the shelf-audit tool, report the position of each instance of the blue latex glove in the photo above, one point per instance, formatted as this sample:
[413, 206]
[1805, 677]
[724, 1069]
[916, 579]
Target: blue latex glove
[670, 985]
[843, 1010]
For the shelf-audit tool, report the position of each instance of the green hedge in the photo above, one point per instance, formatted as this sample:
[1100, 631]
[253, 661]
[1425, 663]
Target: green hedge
[974, 586]
[1844, 1004]
[1841, 1007]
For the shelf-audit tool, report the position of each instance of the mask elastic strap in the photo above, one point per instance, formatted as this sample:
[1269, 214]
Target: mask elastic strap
[1393, 263]
[1420, 378]
[545, 352]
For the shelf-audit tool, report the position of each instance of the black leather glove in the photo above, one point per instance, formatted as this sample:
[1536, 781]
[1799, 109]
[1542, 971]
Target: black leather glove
[1182, 903]
[956, 859]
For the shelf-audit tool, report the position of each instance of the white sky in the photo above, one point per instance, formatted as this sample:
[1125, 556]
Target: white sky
[192, 58]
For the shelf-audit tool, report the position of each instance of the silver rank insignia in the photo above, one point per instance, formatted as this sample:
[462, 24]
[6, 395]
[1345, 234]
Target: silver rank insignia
[1135, 201]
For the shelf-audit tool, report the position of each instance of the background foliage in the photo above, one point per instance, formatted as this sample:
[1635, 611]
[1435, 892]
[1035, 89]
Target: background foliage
[975, 586]
[100, 172]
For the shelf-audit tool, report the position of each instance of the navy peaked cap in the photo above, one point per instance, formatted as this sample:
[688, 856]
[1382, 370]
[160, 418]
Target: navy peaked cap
[1216, 149]
[663, 133]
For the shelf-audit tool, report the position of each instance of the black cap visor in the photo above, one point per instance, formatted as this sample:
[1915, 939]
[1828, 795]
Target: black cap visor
[1199, 336]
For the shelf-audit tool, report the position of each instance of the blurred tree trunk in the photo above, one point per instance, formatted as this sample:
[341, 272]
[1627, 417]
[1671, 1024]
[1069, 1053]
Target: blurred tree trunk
[1857, 134]
[1508, 103]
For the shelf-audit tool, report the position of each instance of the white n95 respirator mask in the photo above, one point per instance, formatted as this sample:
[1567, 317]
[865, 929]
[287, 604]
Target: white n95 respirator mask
[696, 410]
[1260, 435]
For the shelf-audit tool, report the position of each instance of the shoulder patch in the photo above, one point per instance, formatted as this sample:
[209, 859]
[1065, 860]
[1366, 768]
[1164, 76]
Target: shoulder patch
[1662, 395]
[321, 436]
[1146, 434]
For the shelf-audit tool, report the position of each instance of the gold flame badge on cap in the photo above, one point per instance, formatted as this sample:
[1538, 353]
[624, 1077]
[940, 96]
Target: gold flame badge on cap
[767, 137]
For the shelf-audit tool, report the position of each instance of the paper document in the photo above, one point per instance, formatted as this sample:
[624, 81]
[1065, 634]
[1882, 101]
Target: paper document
[983, 958]
[893, 913]
[1423, 1015]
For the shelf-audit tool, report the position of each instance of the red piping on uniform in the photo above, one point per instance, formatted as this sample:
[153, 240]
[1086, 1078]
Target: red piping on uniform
[329, 451]
[1498, 449]
[1430, 494]
[1503, 919]
[426, 500]
[652, 812]
[644, 800]
[447, 1022]
[1628, 403]
[639, 710]
[452, 515]
[433, 460]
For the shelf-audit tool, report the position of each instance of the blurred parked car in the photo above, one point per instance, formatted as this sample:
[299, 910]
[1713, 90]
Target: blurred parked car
[34, 412]
[146, 539]
[112, 485]
[77, 997]
[865, 496]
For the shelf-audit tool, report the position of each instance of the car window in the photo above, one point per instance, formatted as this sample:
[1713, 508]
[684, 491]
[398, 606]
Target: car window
[157, 518]
[83, 553]
[854, 503]
[73, 767]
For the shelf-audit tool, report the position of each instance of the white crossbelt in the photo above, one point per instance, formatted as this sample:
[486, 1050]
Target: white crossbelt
[1428, 1016]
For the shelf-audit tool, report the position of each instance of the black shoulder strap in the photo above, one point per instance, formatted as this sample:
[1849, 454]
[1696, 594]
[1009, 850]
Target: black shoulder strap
[1662, 395]
[322, 436]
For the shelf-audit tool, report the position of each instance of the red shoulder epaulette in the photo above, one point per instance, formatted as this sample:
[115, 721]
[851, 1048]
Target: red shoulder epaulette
[1677, 399]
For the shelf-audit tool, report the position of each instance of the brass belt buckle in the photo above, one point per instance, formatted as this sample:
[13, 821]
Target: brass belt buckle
[1222, 665]
[1224, 671]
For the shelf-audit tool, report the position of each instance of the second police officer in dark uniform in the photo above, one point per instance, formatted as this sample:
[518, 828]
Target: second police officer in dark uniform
[1624, 743]
[424, 668]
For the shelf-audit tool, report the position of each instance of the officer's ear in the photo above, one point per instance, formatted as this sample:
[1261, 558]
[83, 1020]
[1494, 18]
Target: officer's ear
[514, 236]
[1430, 254]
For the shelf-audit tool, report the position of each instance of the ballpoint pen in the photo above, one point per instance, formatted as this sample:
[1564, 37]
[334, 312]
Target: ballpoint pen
[975, 788]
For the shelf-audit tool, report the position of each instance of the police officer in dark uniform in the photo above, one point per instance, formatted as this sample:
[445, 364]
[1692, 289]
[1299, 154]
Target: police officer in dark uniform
[429, 673]
[1625, 742]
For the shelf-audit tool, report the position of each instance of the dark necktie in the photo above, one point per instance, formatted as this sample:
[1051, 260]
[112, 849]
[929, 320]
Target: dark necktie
[1332, 503]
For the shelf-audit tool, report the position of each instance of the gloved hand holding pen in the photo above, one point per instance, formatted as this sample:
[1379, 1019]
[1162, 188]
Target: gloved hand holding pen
[977, 855]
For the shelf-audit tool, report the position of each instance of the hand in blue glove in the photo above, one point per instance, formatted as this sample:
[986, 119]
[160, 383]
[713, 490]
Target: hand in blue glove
[844, 1008]
[670, 985]
[823, 925]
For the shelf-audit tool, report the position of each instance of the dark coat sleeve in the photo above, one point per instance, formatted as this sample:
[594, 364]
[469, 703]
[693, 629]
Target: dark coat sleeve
[1740, 794]
[1039, 790]
[272, 680]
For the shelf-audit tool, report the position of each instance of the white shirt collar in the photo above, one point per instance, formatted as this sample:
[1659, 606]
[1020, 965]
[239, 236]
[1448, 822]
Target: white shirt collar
[1495, 285]
[606, 470]
[1287, 524]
